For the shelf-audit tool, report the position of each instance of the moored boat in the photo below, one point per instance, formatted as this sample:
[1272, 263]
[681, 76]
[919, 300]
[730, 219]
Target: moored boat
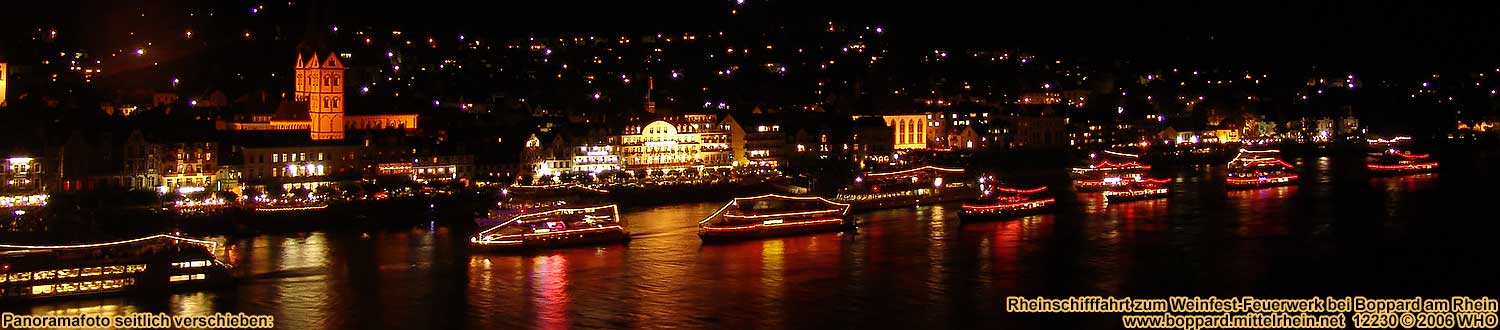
[559, 227]
[774, 215]
[1004, 203]
[909, 187]
[149, 264]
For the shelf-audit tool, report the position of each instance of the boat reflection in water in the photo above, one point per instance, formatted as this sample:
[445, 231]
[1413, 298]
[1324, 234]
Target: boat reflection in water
[148, 264]
[1005, 203]
[774, 215]
[555, 228]
[1252, 169]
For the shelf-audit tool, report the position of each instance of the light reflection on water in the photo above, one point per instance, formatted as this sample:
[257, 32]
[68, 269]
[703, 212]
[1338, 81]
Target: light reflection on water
[904, 268]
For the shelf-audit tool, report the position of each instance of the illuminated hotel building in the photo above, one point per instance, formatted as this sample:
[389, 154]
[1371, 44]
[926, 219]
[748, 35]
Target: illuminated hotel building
[910, 131]
[689, 141]
[595, 158]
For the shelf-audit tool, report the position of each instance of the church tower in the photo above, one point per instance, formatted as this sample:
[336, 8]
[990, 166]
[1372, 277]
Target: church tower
[650, 104]
[320, 83]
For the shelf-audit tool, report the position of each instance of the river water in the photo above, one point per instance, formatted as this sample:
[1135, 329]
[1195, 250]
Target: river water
[1431, 235]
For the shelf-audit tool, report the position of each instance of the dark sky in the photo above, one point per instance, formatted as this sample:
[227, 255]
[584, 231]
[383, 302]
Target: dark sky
[1369, 35]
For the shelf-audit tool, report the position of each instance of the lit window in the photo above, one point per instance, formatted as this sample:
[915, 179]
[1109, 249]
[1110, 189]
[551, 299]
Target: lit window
[41, 289]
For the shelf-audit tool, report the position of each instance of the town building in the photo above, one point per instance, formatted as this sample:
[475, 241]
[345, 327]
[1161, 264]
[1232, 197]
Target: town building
[872, 139]
[1042, 129]
[908, 131]
[586, 153]
[756, 141]
[188, 164]
[24, 175]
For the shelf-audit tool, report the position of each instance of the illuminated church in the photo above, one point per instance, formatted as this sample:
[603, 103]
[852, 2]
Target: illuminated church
[318, 104]
[320, 85]
[335, 145]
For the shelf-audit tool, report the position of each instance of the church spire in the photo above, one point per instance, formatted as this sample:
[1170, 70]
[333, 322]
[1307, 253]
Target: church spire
[650, 85]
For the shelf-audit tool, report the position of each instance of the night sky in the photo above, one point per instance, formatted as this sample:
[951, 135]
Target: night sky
[1355, 35]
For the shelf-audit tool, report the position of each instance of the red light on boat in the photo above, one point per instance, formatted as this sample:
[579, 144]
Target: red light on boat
[1022, 191]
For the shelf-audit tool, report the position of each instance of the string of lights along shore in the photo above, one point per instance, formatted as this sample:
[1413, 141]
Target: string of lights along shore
[322, 164]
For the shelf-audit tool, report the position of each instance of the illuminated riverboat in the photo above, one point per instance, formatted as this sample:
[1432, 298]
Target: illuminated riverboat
[148, 264]
[1110, 171]
[557, 227]
[523, 199]
[774, 215]
[1398, 162]
[1389, 158]
[1139, 189]
[1005, 203]
[1251, 169]
[910, 187]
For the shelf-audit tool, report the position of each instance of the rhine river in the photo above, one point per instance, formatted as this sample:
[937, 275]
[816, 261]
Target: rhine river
[914, 268]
